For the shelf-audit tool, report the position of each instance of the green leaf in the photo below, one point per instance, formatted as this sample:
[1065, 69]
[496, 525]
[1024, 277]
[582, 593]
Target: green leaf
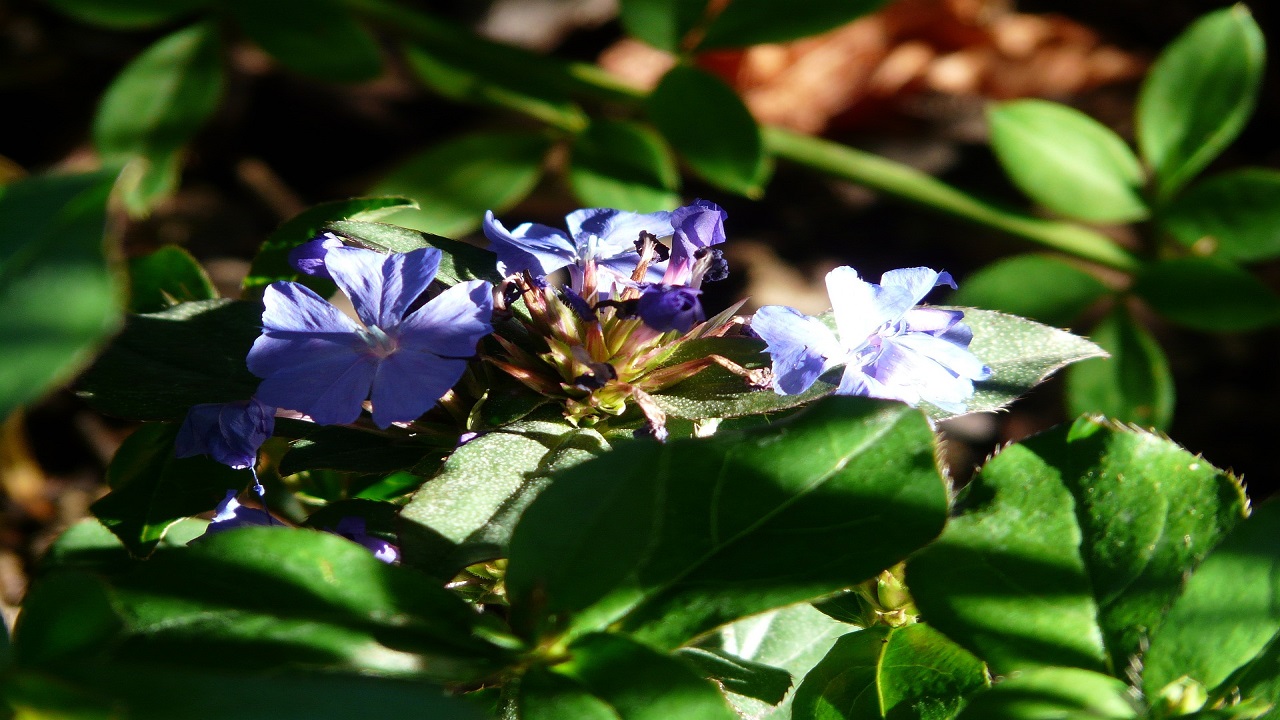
[1134, 385]
[1067, 161]
[684, 537]
[496, 79]
[545, 695]
[718, 393]
[741, 677]
[455, 182]
[1206, 294]
[1227, 616]
[154, 691]
[127, 14]
[707, 124]
[622, 164]
[151, 489]
[661, 23]
[1070, 545]
[753, 22]
[265, 598]
[165, 278]
[466, 514]
[58, 298]
[1233, 216]
[1259, 682]
[157, 103]
[163, 363]
[639, 683]
[88, 546]
[461, 262]
[1039, 287]
[356, 450]
[320, 38]
[881, 672]
[793, 638]
[47, 636]
[1053, 694]
[1199, 95]
[272, 261]
[1020, 353]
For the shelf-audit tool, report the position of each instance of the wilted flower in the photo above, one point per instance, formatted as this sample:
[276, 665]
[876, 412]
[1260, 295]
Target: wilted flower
[600, 250]
[889, 348]
[230, 433]
[315, 360]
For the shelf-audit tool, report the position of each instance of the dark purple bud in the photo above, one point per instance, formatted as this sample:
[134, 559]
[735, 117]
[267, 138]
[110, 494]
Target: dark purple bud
[667, 307]
[308, 258]
[230, 433]
[581, 307]
[597, 376]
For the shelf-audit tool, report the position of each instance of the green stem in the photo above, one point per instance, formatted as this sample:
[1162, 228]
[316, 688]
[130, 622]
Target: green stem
[873, 171]
[906, 182]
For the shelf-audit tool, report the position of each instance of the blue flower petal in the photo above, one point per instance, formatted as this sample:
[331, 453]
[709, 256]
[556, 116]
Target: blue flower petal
[537, 249]
[666, 307]
[801, 347]
[916, 281]
[230, 433]
[308, 258]
[602, 233]
[382, 287]
[408, 383]
[231, 515]
[452, 323]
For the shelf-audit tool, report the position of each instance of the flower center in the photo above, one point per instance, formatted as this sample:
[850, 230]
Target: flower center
[380, 344]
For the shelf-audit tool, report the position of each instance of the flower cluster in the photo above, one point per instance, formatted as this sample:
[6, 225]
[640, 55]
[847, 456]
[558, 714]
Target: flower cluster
[889, 348]
[592, 317]
[632, 296]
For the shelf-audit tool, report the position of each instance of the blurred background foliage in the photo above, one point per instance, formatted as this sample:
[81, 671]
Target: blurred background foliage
[1013, 144]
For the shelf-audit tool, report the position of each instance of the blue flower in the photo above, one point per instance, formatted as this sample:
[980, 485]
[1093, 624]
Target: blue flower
[231, 515]
[308, 258]
[696, 228]
[600, 240]
[666, 307]
[889, 348]
[317, 361]
[230, 433]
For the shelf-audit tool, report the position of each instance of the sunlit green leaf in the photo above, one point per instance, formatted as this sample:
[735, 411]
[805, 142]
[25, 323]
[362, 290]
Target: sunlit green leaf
[1133, 385]
[624, 165]
[320, 38]
[1070, 545]
[1234, 216]
[165, 278]
[1067, 161]
[911, 672]
[753, 22]
[272, 261]
[749, 679]
[163, 363]
[690, 535]
[1207, 294]
[58, 298]
[1198, 639]
[1199, 94]
[707, 124]
[1053, 694]
[793, 638]
[466, 513]
[455, 182]
[1039, 287]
